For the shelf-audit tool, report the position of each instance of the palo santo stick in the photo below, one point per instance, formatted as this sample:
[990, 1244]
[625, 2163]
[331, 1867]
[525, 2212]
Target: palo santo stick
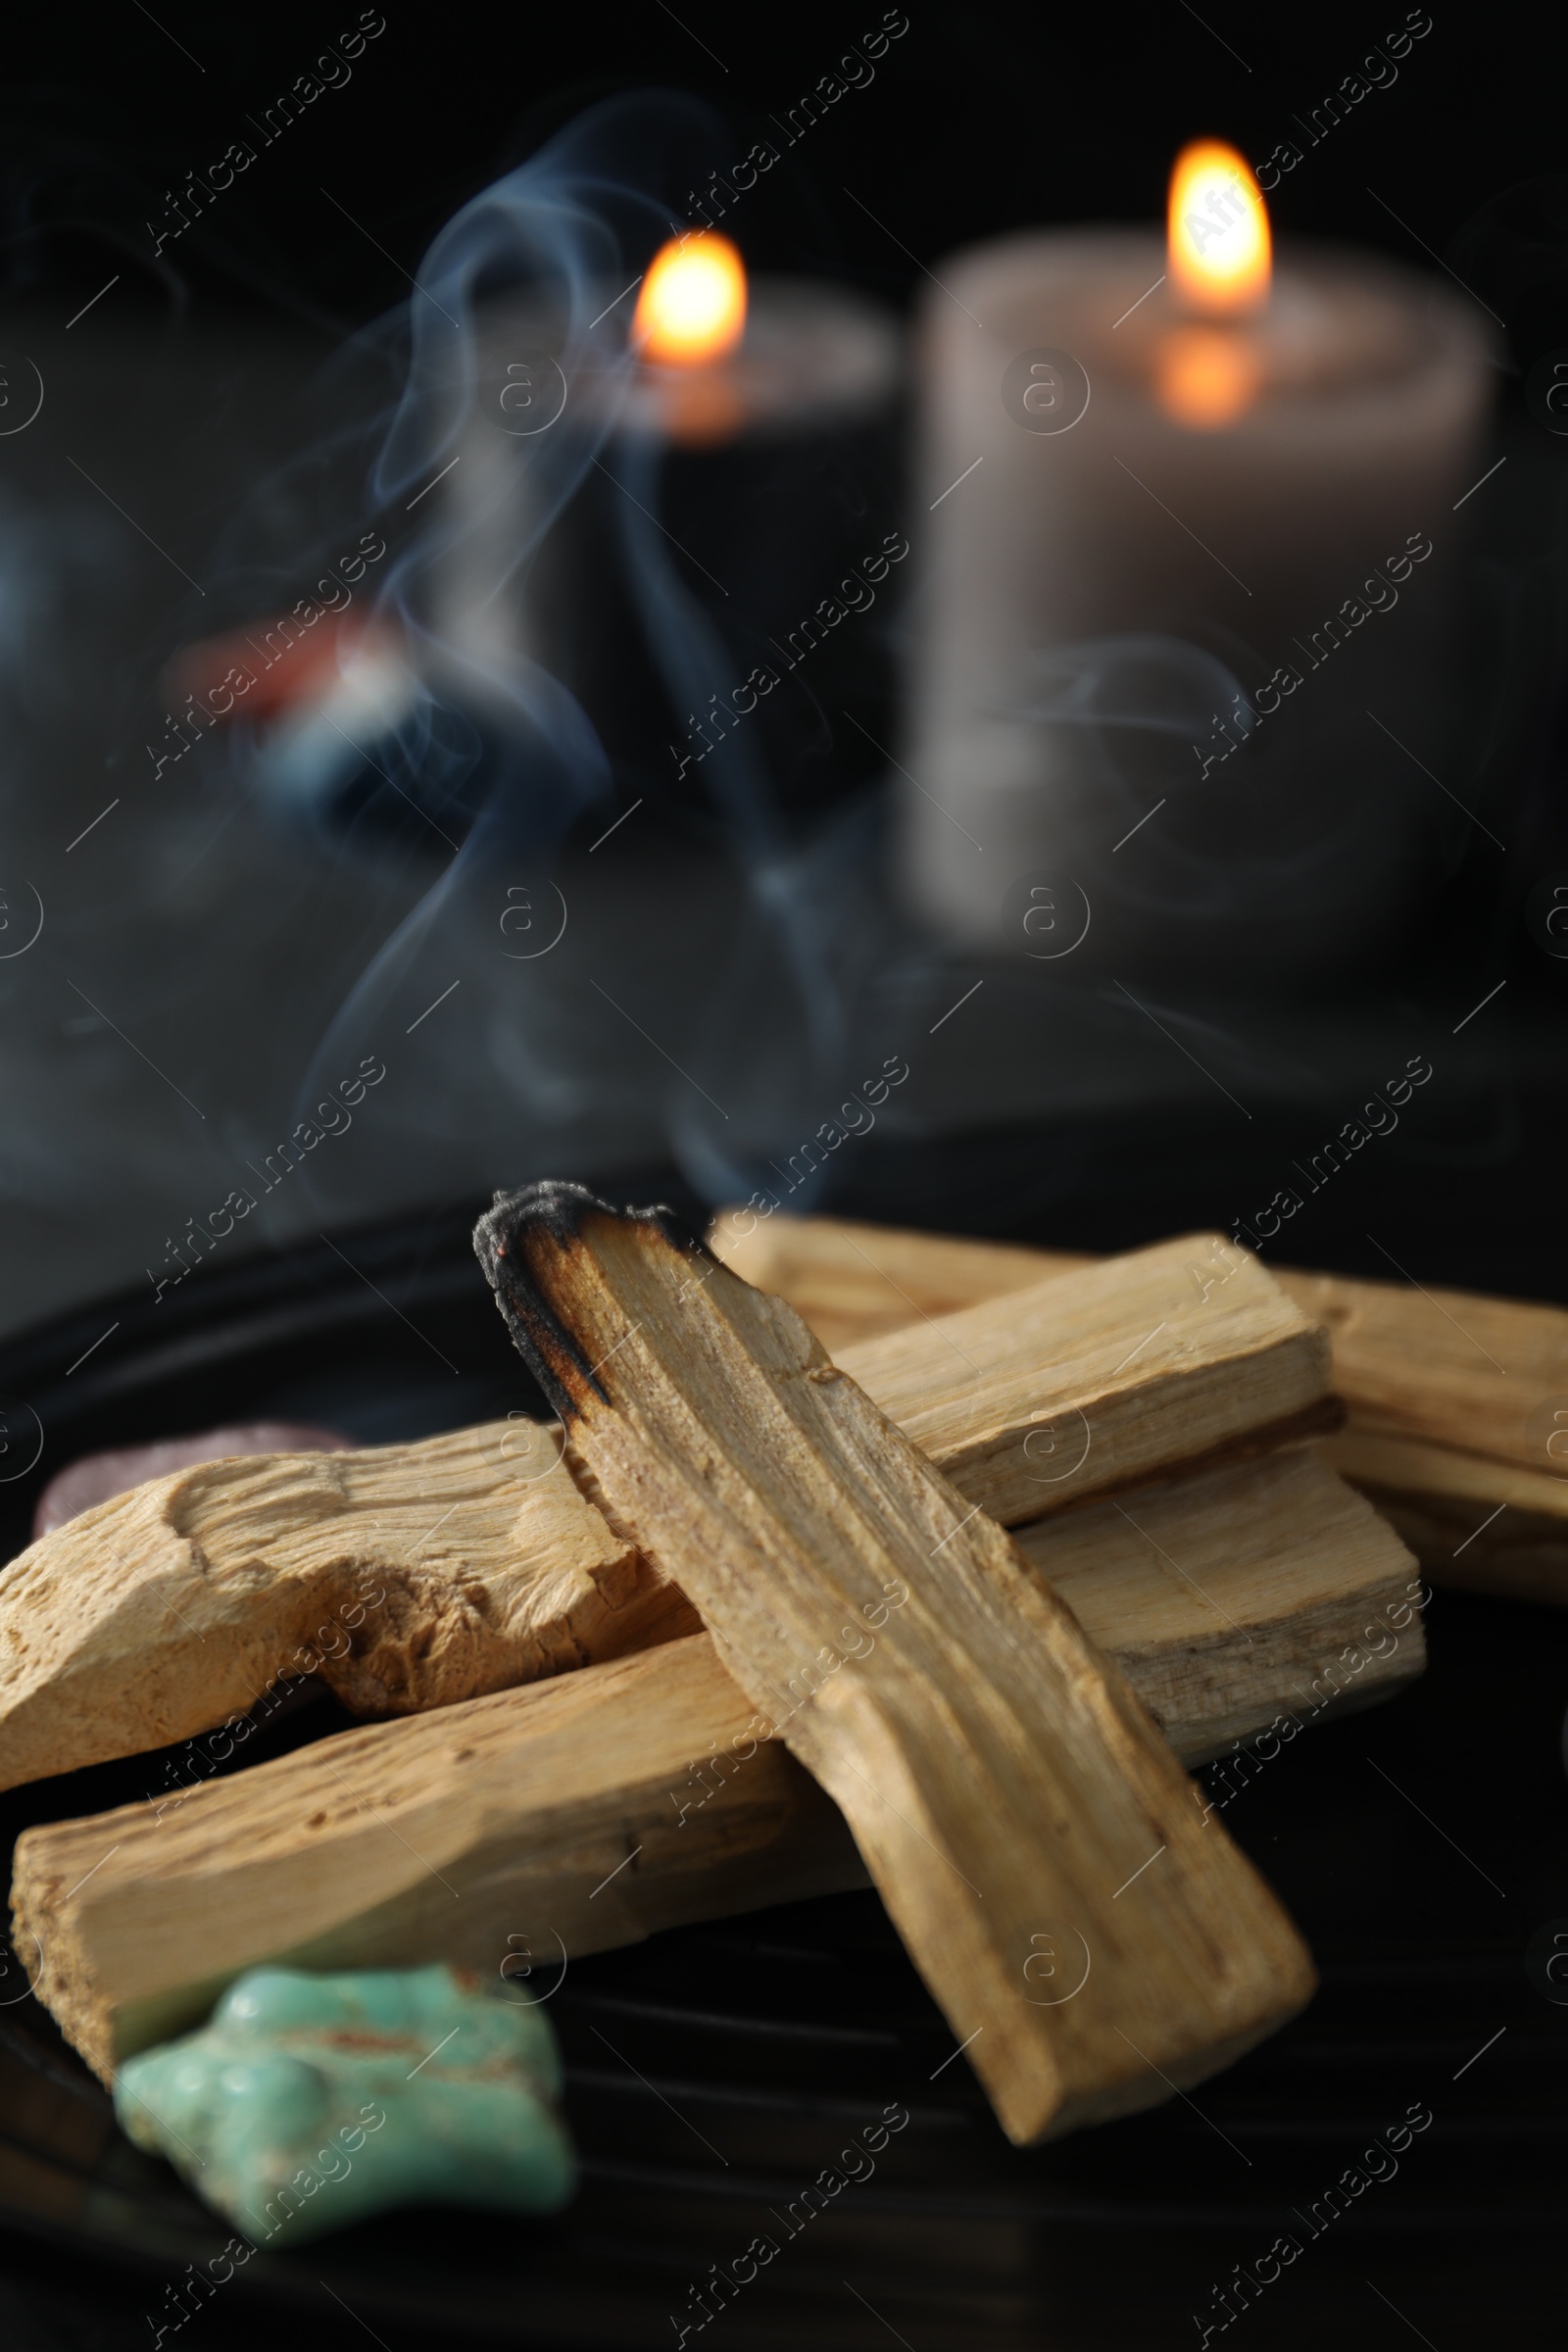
[439, 1571]
[852, 1282]
[406, 1577]
[1087, 1381]
[1001, 1779]
[1450, 1368]
[592, 1810]
[512, 1829]
[1482, 1526]
[1455, 1399]
[1238, 1596]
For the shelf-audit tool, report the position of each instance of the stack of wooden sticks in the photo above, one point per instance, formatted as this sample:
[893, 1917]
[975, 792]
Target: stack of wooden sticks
[743, 1627]
[1458, 1405]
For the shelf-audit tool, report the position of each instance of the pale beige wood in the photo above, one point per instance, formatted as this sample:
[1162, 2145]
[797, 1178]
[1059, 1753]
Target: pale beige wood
[405, 1577]
[1235, 1595]
[1483, 1375]
[1000, 1777]
[1483, 1526]
[1455, 1399]
[591, 1810]
[852, 1282]
[548, 1815]
[160, 1612]
[1102, 1377]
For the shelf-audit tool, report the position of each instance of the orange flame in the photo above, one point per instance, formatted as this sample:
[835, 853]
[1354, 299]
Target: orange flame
[1207, 377]
[1220, 253]
[692, 307]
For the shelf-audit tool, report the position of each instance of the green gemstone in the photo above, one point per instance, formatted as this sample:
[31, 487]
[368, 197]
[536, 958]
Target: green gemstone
[307, 2102]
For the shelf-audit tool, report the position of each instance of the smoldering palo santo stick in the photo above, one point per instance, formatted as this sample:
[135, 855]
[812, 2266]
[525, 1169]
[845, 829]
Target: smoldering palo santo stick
[996, 1772]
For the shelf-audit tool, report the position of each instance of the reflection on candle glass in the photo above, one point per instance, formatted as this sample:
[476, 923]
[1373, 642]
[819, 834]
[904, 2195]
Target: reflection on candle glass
[1206, 376]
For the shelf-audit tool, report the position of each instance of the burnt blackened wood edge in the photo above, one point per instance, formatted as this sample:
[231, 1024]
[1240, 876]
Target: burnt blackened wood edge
[501, 1243]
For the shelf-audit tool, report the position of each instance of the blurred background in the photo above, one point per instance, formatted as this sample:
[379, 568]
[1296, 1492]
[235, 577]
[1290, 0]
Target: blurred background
[485, 849]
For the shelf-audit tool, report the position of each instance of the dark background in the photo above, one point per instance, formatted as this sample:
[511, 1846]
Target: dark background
[979, 119]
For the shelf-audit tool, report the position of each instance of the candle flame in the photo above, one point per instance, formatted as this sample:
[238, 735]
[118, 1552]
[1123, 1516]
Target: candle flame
[692, 307]
[1219, 238]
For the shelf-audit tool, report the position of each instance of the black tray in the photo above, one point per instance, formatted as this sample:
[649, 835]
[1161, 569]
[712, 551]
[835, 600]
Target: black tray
[714, 2073]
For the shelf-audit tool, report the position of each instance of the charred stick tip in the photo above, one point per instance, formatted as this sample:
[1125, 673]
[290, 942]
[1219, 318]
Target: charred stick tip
[501, 1241]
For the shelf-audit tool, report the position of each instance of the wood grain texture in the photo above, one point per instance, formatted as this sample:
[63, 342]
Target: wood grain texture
[1457, 1403]
[544, 1815]
[852, 1282]
[1100, 1378]
[1482, 1526]
[589, 1811]
[162, 1611]
[406, 1577]
[1451, 1368]
[1001, 1779]
[1236, 1595]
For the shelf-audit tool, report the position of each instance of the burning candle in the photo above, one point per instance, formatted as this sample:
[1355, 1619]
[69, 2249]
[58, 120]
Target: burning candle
[658, 512]
[1189, 589]
[731, 460]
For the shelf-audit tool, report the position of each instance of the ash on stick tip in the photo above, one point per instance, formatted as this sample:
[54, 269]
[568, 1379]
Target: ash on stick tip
[560, 1209]
[501, 1243]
